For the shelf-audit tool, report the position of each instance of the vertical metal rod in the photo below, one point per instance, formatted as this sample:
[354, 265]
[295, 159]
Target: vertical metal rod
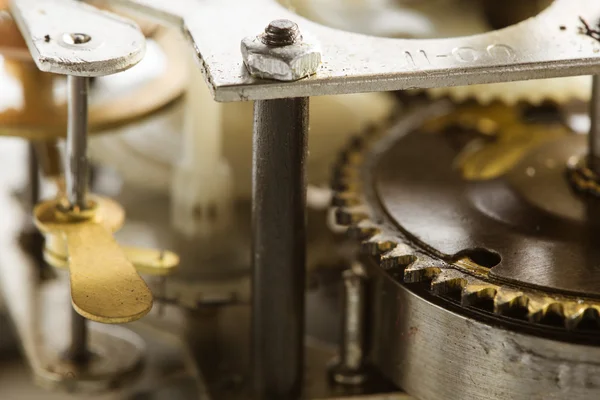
[594, 135]
[349, 368]
[78, 348]
[76, 180]
[34, 176]
[76, 170]
[279, 246]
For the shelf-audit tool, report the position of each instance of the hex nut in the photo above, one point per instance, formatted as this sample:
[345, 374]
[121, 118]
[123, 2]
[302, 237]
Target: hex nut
[286, 63]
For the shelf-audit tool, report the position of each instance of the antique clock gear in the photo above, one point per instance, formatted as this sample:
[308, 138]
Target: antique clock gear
[468, 208]
[469, 265]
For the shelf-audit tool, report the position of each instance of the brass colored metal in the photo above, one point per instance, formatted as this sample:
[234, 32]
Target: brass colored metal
[35, 113]
[582, 178]
[503, 139]
[49, 158]
[412, 259]
[11, 42]
[105, 286]
[146, 261]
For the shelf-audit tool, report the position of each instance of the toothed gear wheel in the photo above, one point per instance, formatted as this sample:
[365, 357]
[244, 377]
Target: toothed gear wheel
[536, 92]
[473, 201]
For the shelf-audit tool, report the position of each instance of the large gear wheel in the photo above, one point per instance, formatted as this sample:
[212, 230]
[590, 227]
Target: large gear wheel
[473, 201]
[557, 90]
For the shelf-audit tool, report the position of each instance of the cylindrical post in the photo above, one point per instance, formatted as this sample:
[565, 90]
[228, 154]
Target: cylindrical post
[76, 164]
[594, 135]
[349, 367]
[78, 348]
[76, 175]
[279, 246]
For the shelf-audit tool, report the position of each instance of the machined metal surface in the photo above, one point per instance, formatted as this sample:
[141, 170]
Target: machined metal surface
[543, 212]
[528, 215]
[280, 144]
[535, 48]
[71, 38]
[437, 354]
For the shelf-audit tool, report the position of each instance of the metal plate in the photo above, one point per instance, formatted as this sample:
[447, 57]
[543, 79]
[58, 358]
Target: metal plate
[549, 45]
[113, 43]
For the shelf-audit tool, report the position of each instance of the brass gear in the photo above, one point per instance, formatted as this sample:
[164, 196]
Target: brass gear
[411, 262]
[538, 91]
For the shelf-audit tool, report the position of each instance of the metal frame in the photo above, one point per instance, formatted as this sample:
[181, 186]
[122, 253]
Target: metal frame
[113, 44]
[548, 45]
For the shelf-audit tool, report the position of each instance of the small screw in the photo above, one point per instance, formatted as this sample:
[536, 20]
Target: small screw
[281, 32]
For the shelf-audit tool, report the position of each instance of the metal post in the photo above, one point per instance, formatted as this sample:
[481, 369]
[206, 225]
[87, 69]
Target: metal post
[594, 135]
[76, 180]
[349, 366]
[76, 165]
[279, 246]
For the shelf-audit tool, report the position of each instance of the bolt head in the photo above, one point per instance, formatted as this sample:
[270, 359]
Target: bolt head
[285, 63]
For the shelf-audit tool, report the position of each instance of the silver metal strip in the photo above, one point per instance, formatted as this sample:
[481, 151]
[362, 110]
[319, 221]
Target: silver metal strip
[71, 38]
[549, 45]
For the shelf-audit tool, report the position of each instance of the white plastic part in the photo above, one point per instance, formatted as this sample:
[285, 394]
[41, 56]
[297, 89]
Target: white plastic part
[202, 190]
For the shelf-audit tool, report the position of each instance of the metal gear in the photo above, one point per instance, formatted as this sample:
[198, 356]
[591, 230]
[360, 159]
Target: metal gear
[558, 90]
[491, 142]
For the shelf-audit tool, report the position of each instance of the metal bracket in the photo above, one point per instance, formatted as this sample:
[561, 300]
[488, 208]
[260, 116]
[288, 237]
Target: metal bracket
[71, 38]
[548, 45]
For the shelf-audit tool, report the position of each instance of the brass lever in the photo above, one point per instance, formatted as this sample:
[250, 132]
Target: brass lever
[105, 286]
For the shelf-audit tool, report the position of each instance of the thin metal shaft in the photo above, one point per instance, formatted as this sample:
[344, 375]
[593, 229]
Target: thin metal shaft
[76, 167]
[76, 171]
[594, 135]
[34, 176]
[279, 246]
[78, 348]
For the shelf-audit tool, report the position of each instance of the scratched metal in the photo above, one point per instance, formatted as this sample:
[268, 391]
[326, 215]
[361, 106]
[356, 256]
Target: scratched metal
[544, 232]
[548, 45]
[113, 43]
[436, 354]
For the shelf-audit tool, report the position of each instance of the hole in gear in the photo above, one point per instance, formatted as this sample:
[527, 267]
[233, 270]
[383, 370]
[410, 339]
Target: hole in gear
[482, 257]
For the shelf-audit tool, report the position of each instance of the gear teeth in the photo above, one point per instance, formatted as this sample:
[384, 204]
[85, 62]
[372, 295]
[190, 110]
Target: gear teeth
[547, 312]
[345, 199]
[474, 293]
[448, 280]
[347, 216]
[342, 184]
[378, 244]
[582, 316]
[363, 230]
[507, 301]
[404, 263]
[401, 255]
[421, 270]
